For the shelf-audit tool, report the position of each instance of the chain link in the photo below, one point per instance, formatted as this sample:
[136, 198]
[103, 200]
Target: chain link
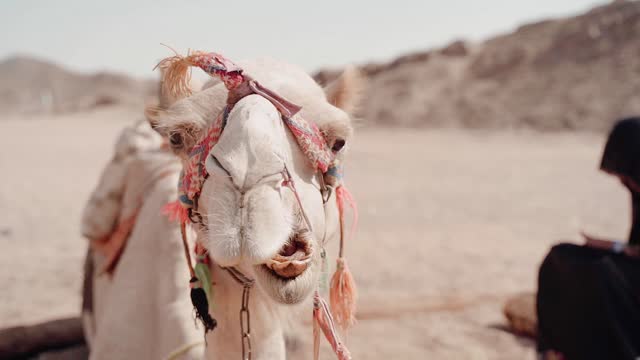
[245, 314]
[245, 323]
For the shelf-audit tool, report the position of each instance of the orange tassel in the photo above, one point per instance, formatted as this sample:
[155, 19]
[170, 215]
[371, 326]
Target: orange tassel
[322, 320]
[344, 196]
[175, 211]
[343, 292]
[316, 336]
[343, 296]
[176, 73]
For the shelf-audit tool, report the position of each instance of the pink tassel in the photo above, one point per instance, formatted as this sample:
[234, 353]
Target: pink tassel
[316, 336]
[343, 292]
[343, 296]
[344, 196]
[175, 211]
[322, 320]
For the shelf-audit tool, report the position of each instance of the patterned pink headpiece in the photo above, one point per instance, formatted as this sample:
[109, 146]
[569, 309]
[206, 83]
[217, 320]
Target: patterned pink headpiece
[308, 136]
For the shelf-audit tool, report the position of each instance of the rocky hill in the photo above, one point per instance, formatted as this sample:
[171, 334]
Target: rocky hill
[580, 73]
[575, 73]
[33, 86]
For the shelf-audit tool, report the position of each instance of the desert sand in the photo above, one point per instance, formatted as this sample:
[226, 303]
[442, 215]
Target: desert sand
[452, 222]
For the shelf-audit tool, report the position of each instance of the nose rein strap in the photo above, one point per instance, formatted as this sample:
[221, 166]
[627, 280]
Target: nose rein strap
[288, 182]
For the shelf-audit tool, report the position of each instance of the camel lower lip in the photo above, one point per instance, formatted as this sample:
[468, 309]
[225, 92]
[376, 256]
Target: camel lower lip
[286, 290]
[289, 267]
[290, 275]
[288, 271]
[293, 259]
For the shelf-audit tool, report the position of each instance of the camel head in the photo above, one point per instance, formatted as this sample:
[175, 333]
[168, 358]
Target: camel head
[251, 219]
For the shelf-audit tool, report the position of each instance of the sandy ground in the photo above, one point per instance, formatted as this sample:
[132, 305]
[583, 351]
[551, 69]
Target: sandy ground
[452, 223]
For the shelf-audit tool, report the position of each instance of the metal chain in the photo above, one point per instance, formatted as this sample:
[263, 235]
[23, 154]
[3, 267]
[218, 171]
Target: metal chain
[245, 314]
[245, 323]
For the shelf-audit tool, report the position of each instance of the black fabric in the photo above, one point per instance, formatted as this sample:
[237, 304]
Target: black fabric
[634, 236]
[588, 304]
[622, 157]
[201, 306]
[622, 151]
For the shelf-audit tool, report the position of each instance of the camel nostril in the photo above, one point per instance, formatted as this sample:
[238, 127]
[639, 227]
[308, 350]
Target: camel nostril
[219, 165]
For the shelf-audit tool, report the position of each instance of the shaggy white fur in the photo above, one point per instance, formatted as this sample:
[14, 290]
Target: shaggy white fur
[142, 311]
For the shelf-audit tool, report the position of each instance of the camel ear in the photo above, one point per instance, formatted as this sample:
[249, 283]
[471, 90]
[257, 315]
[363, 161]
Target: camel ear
[345, 92]
[153, 113]
[181, 133]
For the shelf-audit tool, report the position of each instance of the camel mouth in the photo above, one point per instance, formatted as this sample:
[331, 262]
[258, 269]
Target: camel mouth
[293, 259]
[290, 275]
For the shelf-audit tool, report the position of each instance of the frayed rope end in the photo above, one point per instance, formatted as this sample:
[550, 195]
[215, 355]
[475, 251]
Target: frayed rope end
[343, 196]
[201, 305]
[323, 321]
[343, 292]
[343, 296]
[176, 212]
[176, 73]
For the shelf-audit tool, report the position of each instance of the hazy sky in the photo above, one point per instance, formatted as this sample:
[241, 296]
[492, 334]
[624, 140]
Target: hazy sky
[125, 35]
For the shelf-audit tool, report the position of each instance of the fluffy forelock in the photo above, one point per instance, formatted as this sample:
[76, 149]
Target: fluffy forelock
[287, 80]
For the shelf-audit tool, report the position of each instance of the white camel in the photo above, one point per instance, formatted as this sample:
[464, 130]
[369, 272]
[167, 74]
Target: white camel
[251, 220]
[135, 304]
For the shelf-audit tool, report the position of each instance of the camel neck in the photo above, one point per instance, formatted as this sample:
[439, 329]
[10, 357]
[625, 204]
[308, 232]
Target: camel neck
[267, 339]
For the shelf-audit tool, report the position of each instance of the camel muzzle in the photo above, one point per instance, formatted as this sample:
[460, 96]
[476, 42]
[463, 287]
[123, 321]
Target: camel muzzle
[293, 258]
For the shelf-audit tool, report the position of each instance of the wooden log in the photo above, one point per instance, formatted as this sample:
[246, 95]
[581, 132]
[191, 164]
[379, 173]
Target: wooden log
[77, 352]
[19, 342]
[520, 311]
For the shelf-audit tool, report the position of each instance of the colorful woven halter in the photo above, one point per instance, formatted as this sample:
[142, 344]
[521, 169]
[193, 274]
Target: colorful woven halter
[312, 143]
[308, 136]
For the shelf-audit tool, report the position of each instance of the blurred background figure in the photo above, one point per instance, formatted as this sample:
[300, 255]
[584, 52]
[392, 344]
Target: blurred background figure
[589, 296]
[135, 291]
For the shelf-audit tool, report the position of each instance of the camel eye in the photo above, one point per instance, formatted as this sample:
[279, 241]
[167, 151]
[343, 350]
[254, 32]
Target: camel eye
[338, 145]
[175, 140]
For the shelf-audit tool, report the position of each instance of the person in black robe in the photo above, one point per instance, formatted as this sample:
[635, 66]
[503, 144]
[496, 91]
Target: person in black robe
[588, 301]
